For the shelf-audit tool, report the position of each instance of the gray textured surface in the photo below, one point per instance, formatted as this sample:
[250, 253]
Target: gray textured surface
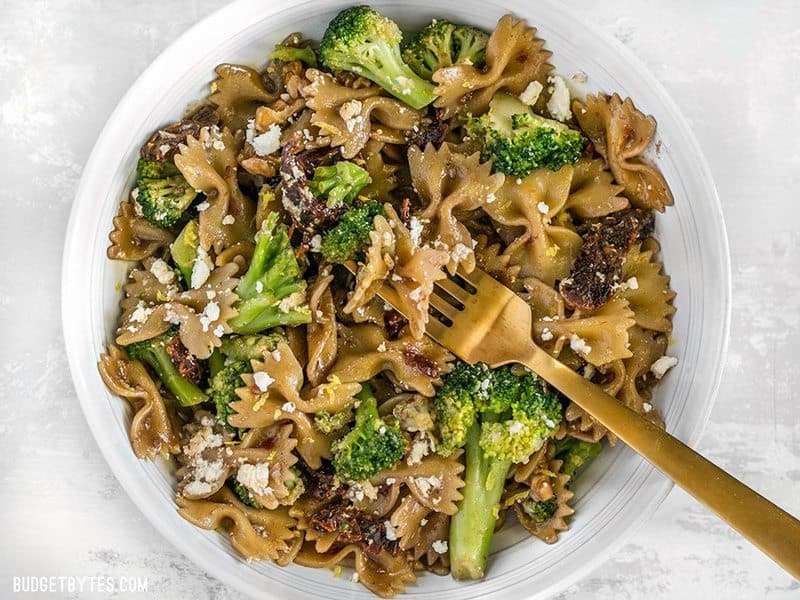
[733, 69]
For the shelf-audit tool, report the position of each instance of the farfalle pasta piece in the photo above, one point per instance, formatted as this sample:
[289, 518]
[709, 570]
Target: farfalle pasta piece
[514, 58]
[621, 134]
[545, 486]
[209, 165]
[418, 528]
[378, 264]
[383, 175]
[321, 332]
[452, 185]
[134, 237]
[237, 92]
[152, 429]
[489, 257]
[599, 336]
[351, 116]
[150, 308]
[257, 534]
[647, 290]
[382, 573]
[365, 351]
[646, 348]
[545, 247]
[593, 192]
[435, 481]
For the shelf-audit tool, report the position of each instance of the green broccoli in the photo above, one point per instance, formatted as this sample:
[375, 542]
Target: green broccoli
[576, 453]
[442, 44]
[348, 237]
[500, 418]
[517, 141]
[370, 446]
[273, 291]
[184, 250]
[223, 386]
[251, 347]
[363, 41]
[162, 192]
[154, 353]
[340, 183]
[329, 423]
[540, 511]
[283, 53]
[243, 494]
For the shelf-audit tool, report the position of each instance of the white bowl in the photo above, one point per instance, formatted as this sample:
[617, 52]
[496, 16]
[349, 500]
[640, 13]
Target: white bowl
[617, 493]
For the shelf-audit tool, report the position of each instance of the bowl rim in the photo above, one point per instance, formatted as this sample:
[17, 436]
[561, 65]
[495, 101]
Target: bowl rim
[72, 298]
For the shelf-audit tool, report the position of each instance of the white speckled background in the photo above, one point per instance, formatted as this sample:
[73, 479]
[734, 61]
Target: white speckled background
[732, 67]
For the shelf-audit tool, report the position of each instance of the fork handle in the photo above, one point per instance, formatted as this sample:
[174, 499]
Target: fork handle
[773, 530]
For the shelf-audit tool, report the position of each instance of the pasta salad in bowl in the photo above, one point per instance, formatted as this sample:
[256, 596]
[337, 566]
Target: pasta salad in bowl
[294, 418]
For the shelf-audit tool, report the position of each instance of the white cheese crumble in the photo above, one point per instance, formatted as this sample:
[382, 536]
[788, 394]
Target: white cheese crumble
[579, 345]
[439, 546]
[316, 243]
[461, 252]
[543, 207]
[647, 407]
[201, 269]
[259, 286]
[219, 331]
[255, 478]
[265, 143]
[547, 335]
[428, 484]
[288, 407]
[531, 93]
[262, 380]
[391, 532]
[141, 313]
[632, 283]
[209, 315]
[662, 365]
[228, 220]
[558, 104]
[160, 269]
[515, 427]
[204, 205]
[491, 198]
[415, 229]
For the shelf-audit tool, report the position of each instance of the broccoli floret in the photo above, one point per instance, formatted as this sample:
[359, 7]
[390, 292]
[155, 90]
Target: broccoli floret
[540, 511]
[223, 386]
[517, 141]
[340, 183]
[273, 291]
[251, 347]
[363, 41]
[576, 453]
[442, 44]
[156, 169]
[162, 192]
[243, 494]
[283, 53]
[329, 423]
[500, 417]
[154, 353]
[348, 237]
[184, 250]
[370, 446]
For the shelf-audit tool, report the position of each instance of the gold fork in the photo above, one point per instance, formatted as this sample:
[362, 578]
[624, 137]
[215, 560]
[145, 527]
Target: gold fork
[491, 324]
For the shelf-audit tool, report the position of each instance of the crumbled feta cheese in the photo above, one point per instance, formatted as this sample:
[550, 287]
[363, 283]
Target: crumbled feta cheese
[228, 220]
[632, 283]
[647, 407]
[219, 331]
[439, 546]
[141, 313]
[209, 315]
[391, 532]
[315, 244]
[579, 345]
[531, 93]
[491, 198]
[420, 448]
[259, 286]
[416, 294]
[515, 427]
[547, 335]
[204, 205]
[349, 111]
[423, 522]
[291, 301]
[588, 371]
[171, 316]
[390, 480]
[262, 380]
[558, 104]
[381, 347]
[197, 488]
[201, 269]
[415, 229]
[267, 142]
[461, 252]
[255, 478]
[288, 407]
[662, 365]
[428, 484]
[543, 207]
[160, 269]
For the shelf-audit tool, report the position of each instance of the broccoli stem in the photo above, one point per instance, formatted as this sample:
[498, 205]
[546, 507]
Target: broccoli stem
[472, 527]
[187, 393]
[216, 362]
